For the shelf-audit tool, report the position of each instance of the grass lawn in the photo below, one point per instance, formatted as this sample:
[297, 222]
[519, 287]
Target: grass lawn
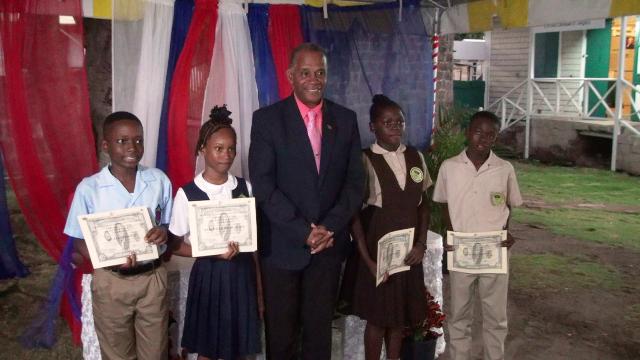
[558, 185]
[565, 186]
[603, 227]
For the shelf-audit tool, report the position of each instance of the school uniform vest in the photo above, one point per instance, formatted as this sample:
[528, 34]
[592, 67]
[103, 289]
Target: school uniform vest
[194, 193]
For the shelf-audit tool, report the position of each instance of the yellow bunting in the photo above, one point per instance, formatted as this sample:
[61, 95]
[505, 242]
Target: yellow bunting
[513, 13]
[128, 10]
[102, 9]
[624, 7]
[481, 15]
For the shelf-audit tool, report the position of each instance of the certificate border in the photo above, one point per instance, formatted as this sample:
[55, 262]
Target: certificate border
[504, 268]
[85, 220]
[194, 206]
[411, 232]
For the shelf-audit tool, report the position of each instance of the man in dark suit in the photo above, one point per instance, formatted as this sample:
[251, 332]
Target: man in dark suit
[307, 175]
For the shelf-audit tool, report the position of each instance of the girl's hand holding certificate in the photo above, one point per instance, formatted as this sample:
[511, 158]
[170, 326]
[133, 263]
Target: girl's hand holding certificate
[234, 249]
[156, 236]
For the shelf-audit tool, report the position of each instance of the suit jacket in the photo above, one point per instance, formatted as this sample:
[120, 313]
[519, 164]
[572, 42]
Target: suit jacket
[290, 192]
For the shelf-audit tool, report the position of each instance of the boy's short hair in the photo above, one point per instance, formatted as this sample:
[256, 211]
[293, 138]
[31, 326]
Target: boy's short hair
[486, 115]
[117, 116]
[305, 47]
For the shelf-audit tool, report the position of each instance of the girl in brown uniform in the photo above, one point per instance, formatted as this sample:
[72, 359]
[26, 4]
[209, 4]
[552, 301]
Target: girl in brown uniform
[397, 178]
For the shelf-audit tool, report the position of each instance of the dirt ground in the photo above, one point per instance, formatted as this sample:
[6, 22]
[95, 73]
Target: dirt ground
[568, 323]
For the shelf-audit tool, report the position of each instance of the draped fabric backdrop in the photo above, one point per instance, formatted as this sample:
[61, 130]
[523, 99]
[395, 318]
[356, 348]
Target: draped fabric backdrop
[187, 92]
[370, 51]
[266, 79]
[232, 78]
[141, 33]
[45, 128]
[10, 264]
[172, 62]
[285, 33]
[182, 13]
[41, 332]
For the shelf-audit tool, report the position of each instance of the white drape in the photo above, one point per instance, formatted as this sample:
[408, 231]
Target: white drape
[88, 336]
[141, 36]
[232, 78]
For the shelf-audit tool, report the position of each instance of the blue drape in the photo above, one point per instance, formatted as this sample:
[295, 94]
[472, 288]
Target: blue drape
[369, 52]
[41, 332]
[182, 13]
[10, 264]
[266, 80]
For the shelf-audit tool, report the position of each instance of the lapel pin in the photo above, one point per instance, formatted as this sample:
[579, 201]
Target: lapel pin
[329, 127]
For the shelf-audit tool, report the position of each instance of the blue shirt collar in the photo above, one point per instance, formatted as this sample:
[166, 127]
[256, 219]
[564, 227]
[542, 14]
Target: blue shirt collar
[106, 178]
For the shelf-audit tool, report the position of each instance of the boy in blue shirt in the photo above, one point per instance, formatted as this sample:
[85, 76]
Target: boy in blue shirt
[130, 303]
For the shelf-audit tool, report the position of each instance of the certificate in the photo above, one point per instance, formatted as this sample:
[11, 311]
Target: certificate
[477, 253]
[213, 223]
[113, 235]
[392, 250]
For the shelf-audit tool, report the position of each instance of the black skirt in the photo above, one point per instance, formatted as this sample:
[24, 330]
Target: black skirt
[222, 320]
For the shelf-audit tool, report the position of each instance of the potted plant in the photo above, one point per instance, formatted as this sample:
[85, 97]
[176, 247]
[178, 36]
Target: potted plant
[420, 341]
[448, 141]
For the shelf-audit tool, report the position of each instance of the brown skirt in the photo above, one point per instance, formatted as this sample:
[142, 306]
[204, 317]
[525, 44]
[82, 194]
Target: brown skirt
[398, 302]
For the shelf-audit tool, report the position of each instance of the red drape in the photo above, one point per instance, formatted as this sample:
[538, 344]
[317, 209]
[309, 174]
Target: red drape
[45, 126]
[187, 92]
[285, 33]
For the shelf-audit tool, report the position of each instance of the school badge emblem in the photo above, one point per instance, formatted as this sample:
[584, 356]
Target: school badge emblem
[497, 198]
[158, 215]
[416, 174]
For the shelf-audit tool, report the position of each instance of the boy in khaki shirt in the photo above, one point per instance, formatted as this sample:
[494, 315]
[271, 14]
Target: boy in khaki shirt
[478, 190]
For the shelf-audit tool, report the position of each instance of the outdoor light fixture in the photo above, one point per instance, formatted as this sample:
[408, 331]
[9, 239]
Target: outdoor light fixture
[66, 20]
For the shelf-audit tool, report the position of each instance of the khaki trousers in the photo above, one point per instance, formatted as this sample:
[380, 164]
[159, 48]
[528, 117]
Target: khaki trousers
[131, 314]
[492, 290]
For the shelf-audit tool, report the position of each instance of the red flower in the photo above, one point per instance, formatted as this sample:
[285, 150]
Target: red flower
[434, 319]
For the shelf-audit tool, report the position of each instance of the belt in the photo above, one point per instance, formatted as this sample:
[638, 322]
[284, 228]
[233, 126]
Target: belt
[138, 269]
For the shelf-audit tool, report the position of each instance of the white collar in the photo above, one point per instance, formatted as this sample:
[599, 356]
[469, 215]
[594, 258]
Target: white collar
[377, 149]
[208, 187]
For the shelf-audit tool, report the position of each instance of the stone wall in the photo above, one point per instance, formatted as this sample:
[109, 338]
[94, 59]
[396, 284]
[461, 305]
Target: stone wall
[444, 89]
[574, 142]
[629, 153]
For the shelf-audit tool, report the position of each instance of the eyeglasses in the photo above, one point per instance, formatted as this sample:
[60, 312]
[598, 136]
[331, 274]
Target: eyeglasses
[393, 124]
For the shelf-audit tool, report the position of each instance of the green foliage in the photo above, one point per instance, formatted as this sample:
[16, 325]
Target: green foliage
[548, 271]
[476, 35]
[448, 141]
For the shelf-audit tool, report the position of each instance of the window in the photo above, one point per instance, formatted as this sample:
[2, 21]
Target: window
[546, 55]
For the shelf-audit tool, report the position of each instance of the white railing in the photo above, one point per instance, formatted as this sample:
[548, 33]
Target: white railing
[565, 97]
[570, 97]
